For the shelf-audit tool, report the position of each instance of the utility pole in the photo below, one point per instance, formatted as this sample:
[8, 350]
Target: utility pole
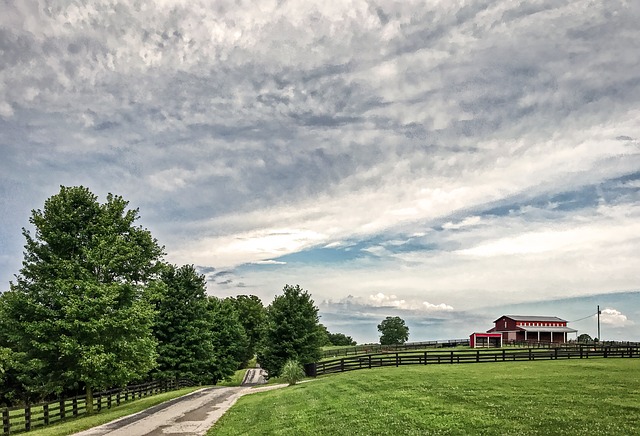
[599, 338]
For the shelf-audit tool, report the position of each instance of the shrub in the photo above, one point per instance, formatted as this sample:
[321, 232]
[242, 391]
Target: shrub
[292, 372]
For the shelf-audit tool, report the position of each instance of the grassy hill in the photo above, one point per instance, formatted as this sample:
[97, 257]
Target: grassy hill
[572, 397]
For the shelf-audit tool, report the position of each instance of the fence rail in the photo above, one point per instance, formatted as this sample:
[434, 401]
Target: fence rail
[466, 356]
[369, 348]
[30, 416]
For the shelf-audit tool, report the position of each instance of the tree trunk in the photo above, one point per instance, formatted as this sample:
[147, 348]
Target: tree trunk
[89, 404]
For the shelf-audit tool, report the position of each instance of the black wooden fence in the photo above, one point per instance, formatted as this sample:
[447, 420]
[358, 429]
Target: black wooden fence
[371, 348]
[467, 356]
[30, 416]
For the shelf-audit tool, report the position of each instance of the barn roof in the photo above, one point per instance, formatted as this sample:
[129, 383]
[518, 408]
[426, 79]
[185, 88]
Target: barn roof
[532, 318]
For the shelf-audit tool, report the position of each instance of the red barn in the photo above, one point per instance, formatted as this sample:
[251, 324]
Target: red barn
[532, 328]
[480, 340]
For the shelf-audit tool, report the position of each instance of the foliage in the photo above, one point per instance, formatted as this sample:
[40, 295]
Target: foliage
[324, 333]
[393, 331]
[340, 339]
[584, 338]
[183, 326]
[292, 372]
[292, 331]
[253, 317]
[77, 312]
[451, 399]
[334, 339]
[228, 338]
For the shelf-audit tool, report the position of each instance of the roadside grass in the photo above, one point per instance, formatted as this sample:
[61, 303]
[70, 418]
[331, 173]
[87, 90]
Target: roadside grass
[71, 426]
[569, 397]
[235, 380]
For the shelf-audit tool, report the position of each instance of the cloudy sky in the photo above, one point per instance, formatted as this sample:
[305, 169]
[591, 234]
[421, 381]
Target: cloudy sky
[445, 161]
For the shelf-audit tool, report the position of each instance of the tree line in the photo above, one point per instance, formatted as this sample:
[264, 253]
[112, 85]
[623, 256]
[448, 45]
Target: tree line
[95, 306]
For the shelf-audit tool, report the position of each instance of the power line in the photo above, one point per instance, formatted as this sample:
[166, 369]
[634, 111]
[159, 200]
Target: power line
[588, 316]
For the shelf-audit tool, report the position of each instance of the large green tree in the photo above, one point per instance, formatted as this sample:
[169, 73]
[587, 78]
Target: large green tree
[393, 331]
[292, 332]
[253, 317]
[229, 338]
[183, 326]
[77, 311]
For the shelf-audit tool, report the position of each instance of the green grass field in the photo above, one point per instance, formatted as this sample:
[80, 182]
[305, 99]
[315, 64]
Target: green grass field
[571, 397]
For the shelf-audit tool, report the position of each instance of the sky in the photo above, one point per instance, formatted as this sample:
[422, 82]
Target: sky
[447, 162]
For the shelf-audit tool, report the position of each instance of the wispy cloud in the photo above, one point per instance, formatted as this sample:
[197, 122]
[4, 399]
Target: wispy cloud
[446, 153]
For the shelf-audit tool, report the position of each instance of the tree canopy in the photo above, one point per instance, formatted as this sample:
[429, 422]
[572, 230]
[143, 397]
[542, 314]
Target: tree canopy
[292, 331]
[183, 325]
[393, 331]
[77, 313]
[229, 338]
[253, 317]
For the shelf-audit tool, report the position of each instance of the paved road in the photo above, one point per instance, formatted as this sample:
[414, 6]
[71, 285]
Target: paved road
[190, 415]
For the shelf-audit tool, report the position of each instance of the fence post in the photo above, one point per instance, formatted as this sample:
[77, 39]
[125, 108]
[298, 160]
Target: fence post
[478, 356]
[45, 411]
[27, 417]
[6, 425]
[118, 398]
[75, 406]
[397, 360]
[342, 365]
[311, 369]
[425, 357]
[452, 357]
[62, 409]
[504, 354]
[530, 354]
[369, 361]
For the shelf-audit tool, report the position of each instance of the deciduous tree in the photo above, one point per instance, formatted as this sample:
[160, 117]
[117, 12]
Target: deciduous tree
[253, 317]
[292, 331]
[229, 339]
[393, 331]
[77, 310]
[340, 339]
[183, 326]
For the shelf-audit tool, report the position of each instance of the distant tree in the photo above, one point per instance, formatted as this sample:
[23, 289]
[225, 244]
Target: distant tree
[183, 326]
[292, 331]
[584, 338]
[340, 339]
[228, 337]
[324, 332]
[77, 312]
[253, 317]
[393, 331]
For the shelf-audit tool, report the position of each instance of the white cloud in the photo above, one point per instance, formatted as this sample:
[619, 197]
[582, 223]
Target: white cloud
[614, 318]
[244, 134]
[269, 262]
[382, 300]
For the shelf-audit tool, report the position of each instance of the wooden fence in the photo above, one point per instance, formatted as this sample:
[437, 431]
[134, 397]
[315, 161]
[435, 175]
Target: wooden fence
[466, 356]
[370, 348]
[30, 416]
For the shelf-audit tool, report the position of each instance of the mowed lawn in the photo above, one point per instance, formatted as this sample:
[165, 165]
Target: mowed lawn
[564, 397]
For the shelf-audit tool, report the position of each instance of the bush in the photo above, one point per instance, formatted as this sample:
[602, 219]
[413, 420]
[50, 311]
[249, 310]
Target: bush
[292, 372]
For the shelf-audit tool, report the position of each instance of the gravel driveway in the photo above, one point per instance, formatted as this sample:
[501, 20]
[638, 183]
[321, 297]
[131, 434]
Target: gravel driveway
[192, 414]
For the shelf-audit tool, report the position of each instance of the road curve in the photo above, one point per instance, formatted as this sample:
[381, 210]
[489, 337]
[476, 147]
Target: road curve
[191, 415]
